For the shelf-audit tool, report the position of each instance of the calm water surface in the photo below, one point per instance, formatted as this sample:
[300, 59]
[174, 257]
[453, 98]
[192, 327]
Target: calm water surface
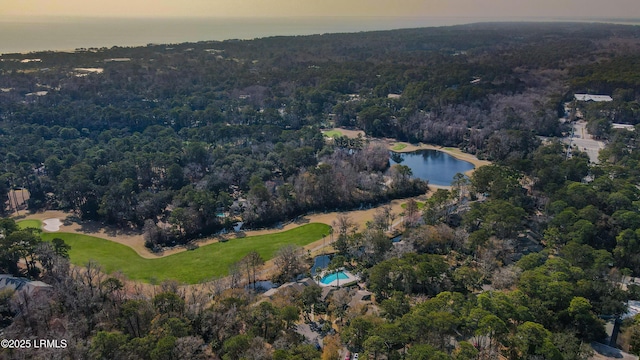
[23, 34]
[436, 166]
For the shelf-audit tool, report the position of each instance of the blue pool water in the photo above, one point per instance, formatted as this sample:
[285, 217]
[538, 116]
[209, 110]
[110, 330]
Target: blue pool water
[333, 277]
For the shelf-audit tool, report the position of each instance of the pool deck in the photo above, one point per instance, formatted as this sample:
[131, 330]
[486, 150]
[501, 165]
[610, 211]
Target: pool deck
[339, 282]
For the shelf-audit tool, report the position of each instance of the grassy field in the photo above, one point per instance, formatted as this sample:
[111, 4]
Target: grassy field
[189, 266]
[420, 205]
[399, 146]
[332, 133]
[23, 224]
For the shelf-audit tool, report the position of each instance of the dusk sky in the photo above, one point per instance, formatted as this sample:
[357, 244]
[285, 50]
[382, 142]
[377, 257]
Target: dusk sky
[276, 8]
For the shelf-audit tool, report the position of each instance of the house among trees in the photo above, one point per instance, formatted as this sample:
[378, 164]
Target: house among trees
[297, 287]
[23, 285]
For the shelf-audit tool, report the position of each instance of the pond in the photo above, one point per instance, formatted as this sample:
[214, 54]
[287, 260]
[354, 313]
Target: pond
[436, 166]
[319, 263]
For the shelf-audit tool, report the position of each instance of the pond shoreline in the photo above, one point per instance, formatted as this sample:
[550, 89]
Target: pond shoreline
[390, 143]
[456, 153]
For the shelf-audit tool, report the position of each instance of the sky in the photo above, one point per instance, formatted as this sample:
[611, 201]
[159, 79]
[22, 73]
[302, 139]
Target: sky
[288, 8]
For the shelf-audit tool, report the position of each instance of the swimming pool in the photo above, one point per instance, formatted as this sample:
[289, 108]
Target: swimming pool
[340, 275]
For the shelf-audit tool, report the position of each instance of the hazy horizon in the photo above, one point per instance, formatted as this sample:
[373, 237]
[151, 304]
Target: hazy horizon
[277, 8]
[62, 33]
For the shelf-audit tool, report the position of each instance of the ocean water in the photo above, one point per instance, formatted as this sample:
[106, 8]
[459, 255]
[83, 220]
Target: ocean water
[24, 34]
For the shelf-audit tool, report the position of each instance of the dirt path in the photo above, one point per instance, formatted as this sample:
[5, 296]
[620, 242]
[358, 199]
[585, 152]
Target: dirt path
[71, 224]
[135, 240]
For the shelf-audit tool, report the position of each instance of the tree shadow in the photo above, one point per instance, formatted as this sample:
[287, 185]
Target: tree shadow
[301, 220]
[95, 227]
[607, 351]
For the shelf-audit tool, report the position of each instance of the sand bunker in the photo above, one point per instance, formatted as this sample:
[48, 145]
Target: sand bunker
[52, 224]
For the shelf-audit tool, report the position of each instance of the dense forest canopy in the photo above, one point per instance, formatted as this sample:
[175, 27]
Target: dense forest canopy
[523, 259]
[129, 135]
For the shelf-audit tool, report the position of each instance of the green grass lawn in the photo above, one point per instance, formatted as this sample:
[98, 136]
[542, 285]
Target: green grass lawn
[190, 267]
[399, 146]
[332, 133]
[419, 203]
[23, 224]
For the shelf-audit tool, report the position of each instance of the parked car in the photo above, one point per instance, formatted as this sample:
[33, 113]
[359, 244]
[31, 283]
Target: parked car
[355, 356]
[348, 357]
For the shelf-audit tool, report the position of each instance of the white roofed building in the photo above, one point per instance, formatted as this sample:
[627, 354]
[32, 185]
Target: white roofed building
[596, 98]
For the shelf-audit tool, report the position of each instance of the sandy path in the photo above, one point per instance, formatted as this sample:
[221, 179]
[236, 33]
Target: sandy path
[71, 224]
[135, 239]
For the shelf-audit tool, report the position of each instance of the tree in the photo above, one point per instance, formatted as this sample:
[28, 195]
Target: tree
[290, 314]
[168, 303]
[499, 182]
[374, 345]
[263, 319]
[251, 263]
[460, 186]
[135, 317]
[344, 224]
[426, 352]
[357, 332]
[174, 179]
[532, 339]
[20, 244]
[60, 248]
[288, 261]
[309, 299]
[497, 217]
[468, 278]
[571, 347]
[585, 323]
[338, 303]
[109, 345]
[235, 346]
[465, 351]
[396, 306]
[411, 213]
[331, 348]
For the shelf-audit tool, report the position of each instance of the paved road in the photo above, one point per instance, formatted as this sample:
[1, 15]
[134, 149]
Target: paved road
[584, 141]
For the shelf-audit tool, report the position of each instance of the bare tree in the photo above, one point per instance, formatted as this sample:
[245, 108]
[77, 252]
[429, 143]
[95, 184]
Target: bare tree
[505, 277]
[189, 347]
[344, 224]
[251, 263]
[235, 274]
[412, 215]
[289, 262]
[338, 303]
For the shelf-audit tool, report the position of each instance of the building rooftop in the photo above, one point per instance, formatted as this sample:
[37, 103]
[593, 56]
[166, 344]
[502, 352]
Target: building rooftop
[21, 284]
[596, 98]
